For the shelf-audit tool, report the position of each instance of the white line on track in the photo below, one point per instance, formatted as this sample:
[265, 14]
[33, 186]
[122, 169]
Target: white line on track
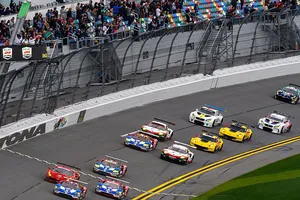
[124, 135]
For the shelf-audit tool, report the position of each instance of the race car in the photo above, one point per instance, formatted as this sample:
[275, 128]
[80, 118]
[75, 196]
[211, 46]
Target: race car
[237, 131]
[207, 141]
[208, 116]
[158, 129]
[178, 152]
[289, 93]
[111, 166]
[275, 122]
[70, 189]
[111, 188]
[141, 141]
[61, 172]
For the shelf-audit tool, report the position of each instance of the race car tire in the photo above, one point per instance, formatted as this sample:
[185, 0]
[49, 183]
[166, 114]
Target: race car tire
[281, 131]
[214, 123]
[171, 135]
[147, 149]
[220, 149]
[214, 150]
[221, 122]
[161, 157]
[244, 139]
[250, 137]
[192, 159]
[289, 129]
[154, 146]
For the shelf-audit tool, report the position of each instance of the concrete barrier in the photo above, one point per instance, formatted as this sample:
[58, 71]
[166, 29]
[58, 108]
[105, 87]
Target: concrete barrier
[139, 96]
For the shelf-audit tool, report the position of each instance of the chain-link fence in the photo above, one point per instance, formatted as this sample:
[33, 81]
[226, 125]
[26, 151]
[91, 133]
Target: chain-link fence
[159, 55]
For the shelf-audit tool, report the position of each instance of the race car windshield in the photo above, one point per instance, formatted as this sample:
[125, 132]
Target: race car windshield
[142, 138]
[207, 138]
[158, 126]
[288, 90]
[207, 111]
[275, 118]
[111, 185]
[70, 185]
[177, 149]
[237, 128]
[63, 171]
[110, 163]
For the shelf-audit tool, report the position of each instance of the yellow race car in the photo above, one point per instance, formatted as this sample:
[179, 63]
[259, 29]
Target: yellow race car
[207, 141]
[237, 131]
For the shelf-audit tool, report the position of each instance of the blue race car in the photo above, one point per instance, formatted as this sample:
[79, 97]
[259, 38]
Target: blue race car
[289, 93]
[70, 190]
[112, 189]
[141, 141]
[111, 166]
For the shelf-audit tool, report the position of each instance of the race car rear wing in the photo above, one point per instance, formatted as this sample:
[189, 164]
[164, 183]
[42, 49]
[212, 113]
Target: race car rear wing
[294, 85]
[71, 166]
[215, 107]
[238, 123]
[283, 114]
[161, 120]
[209, 133]
[118, 159]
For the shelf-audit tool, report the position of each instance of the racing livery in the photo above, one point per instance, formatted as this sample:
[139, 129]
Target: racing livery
[177, 152]
[113, 189]
[208, 116]
[237, 131]
[289, 93]
[141, 141]
[276, 123]
[111, 166]
[158, 129]
[61, 172]
[207, 141]
[70, 189]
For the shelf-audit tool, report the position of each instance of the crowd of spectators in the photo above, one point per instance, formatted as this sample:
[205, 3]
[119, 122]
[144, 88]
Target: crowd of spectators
[93, 19]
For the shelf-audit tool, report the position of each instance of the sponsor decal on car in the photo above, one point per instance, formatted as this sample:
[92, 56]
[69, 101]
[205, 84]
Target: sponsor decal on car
[23, 135]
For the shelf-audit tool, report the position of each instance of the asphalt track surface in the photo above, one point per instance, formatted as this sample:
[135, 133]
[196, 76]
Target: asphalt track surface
[82, 144]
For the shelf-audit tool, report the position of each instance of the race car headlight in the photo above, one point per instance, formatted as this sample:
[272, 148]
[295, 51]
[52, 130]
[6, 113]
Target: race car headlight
[165, 152]
[97, 186]
[55, 187]
[182, 157]
[211, 145]
[49, 173]
[193, 115]
[97, 165]
[277, 127]
[127, 139]
[78, 193]
[120, 193]
[161, 133]
[208, 120]
[145, 144]
[239, 135]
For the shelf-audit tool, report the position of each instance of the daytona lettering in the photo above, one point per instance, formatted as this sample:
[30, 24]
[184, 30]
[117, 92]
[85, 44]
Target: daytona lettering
[21, 136]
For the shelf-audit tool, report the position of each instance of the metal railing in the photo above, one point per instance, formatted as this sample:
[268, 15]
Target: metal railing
[95, 69]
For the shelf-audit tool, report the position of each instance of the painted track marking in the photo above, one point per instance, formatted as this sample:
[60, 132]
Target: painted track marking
[160, 188]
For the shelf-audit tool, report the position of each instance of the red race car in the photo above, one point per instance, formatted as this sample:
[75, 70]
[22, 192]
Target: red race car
[62, 172]
[112, 189]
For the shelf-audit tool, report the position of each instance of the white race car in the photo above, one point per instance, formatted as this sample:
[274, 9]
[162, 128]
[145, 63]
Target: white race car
[275, 122]
[208, 116]
[177, 152]
[158, 129]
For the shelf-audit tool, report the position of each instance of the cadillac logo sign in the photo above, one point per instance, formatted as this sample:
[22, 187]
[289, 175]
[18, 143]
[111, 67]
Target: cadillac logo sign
[27, 52]
[7, 53]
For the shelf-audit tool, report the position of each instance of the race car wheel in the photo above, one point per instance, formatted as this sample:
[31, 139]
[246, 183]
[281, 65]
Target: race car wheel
[214, 150]
[281, 131]
[214, 123]
[244, 138]
[220, 149]
[289, 129]
[250, 137]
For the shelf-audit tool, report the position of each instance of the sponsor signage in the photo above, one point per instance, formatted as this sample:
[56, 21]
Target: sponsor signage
[81, 116]
[22, 136]
[21, 53]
